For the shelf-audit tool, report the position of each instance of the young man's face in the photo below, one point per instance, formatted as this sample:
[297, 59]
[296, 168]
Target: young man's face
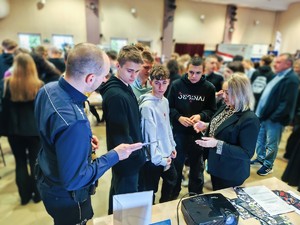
[195, 73]
[159, 87]
[146, 67]
[128, 72]
[211, 65]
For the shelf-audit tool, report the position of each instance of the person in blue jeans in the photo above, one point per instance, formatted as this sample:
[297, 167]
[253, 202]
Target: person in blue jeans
[275, 110]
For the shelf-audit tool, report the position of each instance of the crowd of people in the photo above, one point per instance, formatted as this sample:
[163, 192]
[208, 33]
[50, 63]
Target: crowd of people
[159, 117]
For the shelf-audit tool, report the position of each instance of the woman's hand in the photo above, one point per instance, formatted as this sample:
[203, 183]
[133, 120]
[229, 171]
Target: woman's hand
[207, 142]
[200, 126]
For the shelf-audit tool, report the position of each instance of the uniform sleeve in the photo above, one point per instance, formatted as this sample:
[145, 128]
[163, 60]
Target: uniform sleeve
[73, 147]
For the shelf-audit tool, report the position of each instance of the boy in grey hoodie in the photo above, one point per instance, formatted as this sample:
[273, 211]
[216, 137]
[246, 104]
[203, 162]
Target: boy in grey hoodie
[156, 130]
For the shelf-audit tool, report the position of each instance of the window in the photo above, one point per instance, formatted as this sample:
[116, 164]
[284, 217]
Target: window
[60, 41]
[29, 41]
[117, 43]
[145, 42]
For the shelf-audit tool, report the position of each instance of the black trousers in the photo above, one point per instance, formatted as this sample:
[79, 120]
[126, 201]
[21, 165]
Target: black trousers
[121, 184]
[186, 147]
[149, 180]
[219, 183]
[25, 150]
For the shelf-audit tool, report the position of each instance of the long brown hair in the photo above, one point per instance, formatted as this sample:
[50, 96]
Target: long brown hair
[24, 82]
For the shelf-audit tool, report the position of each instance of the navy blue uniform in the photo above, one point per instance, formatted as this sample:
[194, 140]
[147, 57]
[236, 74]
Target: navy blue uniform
[64, 159]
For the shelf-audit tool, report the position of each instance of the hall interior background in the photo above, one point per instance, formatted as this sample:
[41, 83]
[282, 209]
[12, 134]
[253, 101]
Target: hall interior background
[115, 20]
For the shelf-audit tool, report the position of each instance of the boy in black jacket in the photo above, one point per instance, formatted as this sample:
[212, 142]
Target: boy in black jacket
[121, 113]
[191, 99]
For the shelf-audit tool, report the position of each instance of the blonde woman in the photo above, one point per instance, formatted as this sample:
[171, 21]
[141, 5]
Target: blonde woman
[231, 135]
[20, 91]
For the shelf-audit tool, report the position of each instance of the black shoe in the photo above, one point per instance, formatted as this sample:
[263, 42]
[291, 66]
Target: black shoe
[25, 201]
[36, 198]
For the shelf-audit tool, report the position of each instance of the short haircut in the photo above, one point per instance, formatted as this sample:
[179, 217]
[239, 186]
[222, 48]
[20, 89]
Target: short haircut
[240, 92]
[195, 61]
[236, 66]
[173, 66]
[238, 58]
[129, 53]
[159, 72]
[209, 57]
[147, 56]
[9, 44]
[267, 59]
[84, 59]
[289, 58]
[112, 54]
[40, 50]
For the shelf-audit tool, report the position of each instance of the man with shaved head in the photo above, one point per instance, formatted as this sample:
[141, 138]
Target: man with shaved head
[66, 173]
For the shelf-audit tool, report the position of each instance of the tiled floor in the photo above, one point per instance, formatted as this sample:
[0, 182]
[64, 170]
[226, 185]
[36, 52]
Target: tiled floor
[34, 214]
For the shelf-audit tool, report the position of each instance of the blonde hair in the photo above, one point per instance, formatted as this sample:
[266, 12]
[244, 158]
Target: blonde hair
[24, 82]
[240, 92]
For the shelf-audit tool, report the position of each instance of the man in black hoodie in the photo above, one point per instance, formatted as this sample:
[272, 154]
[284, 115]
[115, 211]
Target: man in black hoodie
[121, 113]
[191, 99]
[6, 59]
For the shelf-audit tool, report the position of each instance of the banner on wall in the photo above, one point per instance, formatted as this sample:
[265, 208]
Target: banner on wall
[278, 41]
[228, 51]
[253, 52]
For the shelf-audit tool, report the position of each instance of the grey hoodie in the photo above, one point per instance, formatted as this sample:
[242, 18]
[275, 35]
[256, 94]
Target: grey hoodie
[155, 124]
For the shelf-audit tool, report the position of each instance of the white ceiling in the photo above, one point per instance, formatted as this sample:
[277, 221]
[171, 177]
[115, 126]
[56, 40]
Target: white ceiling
[273, 5]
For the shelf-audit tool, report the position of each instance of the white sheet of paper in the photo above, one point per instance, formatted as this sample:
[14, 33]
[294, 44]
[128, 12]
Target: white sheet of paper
[269, 201]
[133, 208]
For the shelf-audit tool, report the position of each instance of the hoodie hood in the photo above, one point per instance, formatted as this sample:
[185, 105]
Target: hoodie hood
[112, 83]
[264, 69]
[148, 97]
[188, 82]
[138, 89]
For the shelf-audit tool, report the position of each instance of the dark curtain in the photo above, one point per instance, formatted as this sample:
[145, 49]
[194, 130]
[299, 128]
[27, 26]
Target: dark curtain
[191, 49]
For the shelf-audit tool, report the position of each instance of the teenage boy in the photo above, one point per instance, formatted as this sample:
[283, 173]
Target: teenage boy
[141, 85]
[156, 130]
[191, 99]
[122, 116]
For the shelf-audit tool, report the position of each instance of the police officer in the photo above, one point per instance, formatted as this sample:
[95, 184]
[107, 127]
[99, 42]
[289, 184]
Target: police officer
[66, 173]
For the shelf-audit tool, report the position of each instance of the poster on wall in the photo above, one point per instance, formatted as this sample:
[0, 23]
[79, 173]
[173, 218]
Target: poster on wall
[228, 51]
[278, 41]
[258, 50]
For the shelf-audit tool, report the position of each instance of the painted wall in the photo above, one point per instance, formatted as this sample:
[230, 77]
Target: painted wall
[189, 28]
[247, 32]
[289, 26]
[116, 20]
[57, 17]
